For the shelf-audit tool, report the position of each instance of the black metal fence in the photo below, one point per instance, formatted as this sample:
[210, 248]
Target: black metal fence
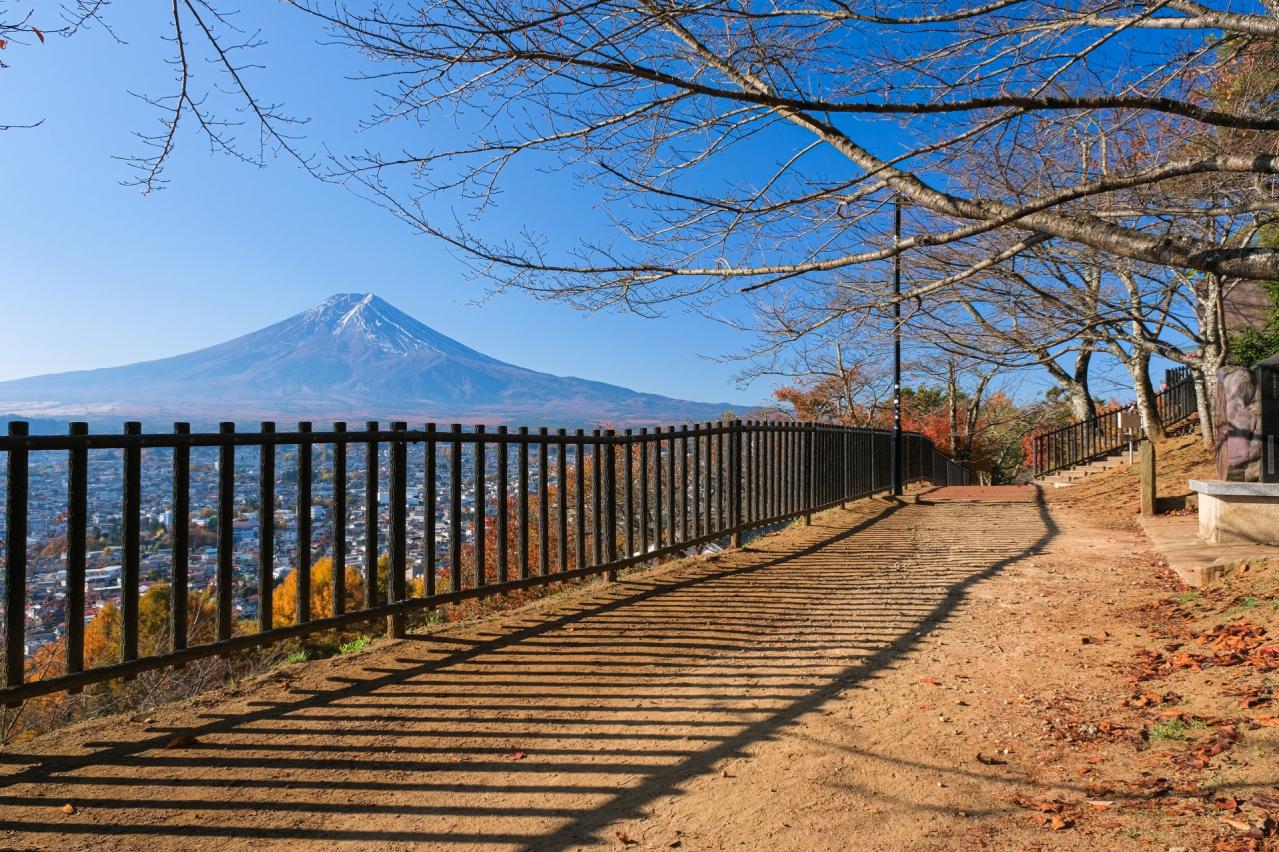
[499, 511]
[1100, 435]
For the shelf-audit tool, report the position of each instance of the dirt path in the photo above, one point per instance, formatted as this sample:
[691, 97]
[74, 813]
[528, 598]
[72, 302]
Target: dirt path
[826, 687]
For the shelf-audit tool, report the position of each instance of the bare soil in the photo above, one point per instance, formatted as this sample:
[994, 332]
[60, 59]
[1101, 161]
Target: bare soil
[951, 676]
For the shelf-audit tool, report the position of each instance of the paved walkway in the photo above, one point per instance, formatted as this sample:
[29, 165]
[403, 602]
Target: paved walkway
[1176, 538]
[981, 494]
[550, 729]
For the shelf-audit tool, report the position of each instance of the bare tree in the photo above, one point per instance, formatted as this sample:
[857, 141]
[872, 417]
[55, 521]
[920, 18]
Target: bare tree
[1062, 301]
[205, 30]
[20, 27]
[758, 149]
[654, 105]
[223, 107]
[834, 380]
[1018, 317]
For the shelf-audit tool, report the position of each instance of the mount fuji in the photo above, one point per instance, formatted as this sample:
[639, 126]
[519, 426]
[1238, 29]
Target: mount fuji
[351, 356]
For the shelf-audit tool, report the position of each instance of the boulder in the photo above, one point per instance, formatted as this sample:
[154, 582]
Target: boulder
[1238, 428]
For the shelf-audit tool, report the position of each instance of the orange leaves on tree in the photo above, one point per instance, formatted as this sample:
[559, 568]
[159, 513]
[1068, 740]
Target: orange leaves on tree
[284, 600]
[103, 637]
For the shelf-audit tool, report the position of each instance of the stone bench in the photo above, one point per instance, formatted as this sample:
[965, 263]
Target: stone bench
[1237, 512]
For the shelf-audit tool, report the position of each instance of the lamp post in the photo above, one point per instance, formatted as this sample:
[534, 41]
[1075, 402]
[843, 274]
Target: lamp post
[896, 446]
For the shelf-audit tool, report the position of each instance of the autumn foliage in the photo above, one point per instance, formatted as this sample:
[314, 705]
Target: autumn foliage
[987, 433]
[284, 600]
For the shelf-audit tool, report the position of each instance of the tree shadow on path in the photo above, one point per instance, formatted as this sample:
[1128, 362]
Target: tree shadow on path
[540, 732]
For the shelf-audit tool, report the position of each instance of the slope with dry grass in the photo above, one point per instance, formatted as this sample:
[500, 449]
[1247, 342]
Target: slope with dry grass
[1114, 495]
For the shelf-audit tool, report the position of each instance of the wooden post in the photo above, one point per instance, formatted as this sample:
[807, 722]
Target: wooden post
[1148, 478]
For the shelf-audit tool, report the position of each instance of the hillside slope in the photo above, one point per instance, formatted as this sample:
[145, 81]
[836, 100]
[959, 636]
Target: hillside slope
[352, 356]
[1115, 494]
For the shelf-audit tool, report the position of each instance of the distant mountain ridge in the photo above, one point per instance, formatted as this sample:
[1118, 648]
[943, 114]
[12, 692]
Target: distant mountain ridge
[352, 356]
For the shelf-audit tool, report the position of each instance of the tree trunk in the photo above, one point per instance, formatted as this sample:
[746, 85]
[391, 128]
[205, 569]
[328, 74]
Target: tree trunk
[1204, 398]
[1209, 308]
[952, 392]
[1074, 383]
[1082, 404]
[1138, 365]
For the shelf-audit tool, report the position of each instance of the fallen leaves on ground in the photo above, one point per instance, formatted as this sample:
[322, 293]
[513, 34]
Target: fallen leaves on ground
[1048, 806]
[1250, 696]
[1151, 699]
[1053, 814]
[1236, 636]
[1264, 801]
[1232, 644]
[1229, 804]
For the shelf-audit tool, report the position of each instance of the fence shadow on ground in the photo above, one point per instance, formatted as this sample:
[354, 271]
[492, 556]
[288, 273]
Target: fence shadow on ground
[543, 731]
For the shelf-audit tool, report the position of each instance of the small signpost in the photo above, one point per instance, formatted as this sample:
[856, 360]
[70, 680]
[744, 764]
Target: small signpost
[1129, 427]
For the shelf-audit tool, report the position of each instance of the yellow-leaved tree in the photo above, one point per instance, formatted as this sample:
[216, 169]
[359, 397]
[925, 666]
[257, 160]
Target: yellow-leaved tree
[104, 634]
[284, 600]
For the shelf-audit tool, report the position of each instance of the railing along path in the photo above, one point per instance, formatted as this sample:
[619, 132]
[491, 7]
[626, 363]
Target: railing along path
[604, 501]
[1101, 435]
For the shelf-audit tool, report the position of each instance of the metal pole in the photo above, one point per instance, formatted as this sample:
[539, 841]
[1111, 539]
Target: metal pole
[897, 352]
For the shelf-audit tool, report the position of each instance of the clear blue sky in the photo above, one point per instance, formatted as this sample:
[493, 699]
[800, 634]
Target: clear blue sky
[95, 274]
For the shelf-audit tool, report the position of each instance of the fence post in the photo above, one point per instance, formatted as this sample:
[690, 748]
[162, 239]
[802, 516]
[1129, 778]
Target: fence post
[131, 547]
[735, 481]
[1148, 480]
[303, 514]
[479, 516]
[806, 465]
[845, 442]
[872, 462]
[225, 511]
[15, 567]
[398, 496]
[610, 509]
[521, 508]
[503, 520]
[266, 531]
[339, 522]
[628, 493]
[180, 527]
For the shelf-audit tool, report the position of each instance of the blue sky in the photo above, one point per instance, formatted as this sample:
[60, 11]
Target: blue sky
[95, 274]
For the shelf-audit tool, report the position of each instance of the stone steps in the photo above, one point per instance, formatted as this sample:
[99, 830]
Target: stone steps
[1069, 476]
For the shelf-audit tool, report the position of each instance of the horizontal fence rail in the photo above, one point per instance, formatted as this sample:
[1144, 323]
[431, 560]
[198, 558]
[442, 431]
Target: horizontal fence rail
[1101, 435]
[412, 520]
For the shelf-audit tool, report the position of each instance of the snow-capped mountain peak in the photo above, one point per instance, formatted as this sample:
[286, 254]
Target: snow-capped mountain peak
[353, 354]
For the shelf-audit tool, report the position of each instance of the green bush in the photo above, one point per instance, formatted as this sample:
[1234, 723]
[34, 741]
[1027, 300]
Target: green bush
[1251, 345]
